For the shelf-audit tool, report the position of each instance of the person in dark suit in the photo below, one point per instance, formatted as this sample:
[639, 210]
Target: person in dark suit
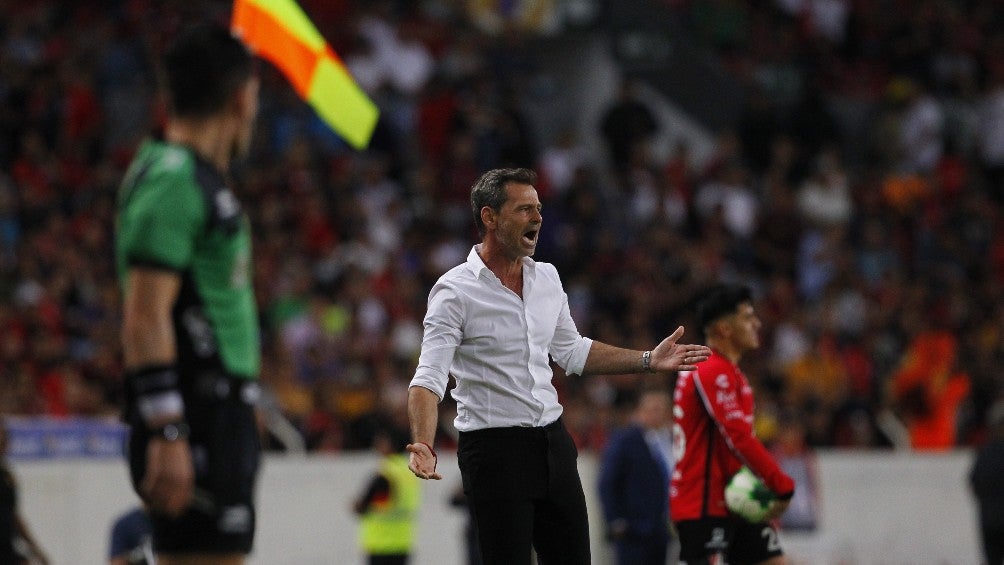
[634, 483]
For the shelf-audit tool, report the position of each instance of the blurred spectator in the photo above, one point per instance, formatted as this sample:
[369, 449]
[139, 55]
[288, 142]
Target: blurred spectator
[928, 389]
[921, 122]
[388, 506]
[472, 551]
[634, 483]
[824, 199]
[559, 164]
[17, 544]
[131, 540]
[627, 123]
[991, 132]
[986, 479]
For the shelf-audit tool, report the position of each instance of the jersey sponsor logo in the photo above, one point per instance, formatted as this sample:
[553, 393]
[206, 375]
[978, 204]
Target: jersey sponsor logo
[722, 381]
[727, 398]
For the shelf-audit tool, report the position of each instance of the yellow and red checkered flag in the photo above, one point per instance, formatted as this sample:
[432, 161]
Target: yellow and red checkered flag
[279, 31]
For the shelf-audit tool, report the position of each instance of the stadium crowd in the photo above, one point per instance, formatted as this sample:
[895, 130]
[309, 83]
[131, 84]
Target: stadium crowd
[859, 194]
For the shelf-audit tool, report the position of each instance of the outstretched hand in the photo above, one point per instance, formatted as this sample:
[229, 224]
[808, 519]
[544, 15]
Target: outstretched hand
[672, 356]
[422, 461]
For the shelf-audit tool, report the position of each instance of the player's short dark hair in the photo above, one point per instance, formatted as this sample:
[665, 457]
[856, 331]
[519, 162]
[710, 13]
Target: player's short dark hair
[203, 68]
[490, 191]
[719, 301]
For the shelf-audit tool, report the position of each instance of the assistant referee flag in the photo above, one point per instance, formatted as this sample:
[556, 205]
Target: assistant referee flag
[279, 31]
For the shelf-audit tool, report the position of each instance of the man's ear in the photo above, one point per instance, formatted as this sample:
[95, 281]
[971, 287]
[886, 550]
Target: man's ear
[488, 216]
[720, 328]
[244, 102]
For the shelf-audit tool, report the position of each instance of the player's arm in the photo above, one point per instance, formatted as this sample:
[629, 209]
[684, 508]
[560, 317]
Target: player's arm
[721, 399]
[148, 345]
[667, 356]
[147, 326]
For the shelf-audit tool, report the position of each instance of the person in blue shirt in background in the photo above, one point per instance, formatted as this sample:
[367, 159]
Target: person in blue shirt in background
[635, 470]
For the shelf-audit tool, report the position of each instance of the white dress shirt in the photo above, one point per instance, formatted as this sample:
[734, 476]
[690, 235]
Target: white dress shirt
[496, 345]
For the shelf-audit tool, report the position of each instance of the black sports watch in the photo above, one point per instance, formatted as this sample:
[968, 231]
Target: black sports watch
[173, 431]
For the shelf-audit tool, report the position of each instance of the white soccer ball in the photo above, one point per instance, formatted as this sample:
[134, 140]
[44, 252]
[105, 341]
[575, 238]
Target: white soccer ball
[747, 497]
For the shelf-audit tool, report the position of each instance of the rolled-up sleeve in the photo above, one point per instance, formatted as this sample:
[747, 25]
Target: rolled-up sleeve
[443, 332]
[569, 349]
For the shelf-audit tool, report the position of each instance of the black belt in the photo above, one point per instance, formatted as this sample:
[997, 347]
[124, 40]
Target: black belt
[515, 431]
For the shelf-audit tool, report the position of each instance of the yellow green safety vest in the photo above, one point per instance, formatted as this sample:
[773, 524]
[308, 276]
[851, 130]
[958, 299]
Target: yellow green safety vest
[390, 528]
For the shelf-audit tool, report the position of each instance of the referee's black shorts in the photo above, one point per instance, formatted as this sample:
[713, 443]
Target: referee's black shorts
[524, 492]
[225, 453]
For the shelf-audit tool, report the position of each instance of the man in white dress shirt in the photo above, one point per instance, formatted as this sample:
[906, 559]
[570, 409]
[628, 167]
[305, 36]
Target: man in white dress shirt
[494, 323]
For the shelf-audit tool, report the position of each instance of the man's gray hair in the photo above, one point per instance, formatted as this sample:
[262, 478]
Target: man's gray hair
[490, 191]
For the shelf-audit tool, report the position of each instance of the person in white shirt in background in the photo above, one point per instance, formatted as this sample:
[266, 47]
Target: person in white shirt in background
[495, 322]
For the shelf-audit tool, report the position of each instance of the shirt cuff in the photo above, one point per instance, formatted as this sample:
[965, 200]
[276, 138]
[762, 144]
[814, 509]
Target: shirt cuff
[431, 381]
[577, 360]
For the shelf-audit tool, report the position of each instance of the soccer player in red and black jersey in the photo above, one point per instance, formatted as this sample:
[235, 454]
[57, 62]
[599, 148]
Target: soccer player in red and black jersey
[713, 438]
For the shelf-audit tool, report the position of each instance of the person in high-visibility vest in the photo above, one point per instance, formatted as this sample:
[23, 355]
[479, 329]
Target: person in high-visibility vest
[389, 504]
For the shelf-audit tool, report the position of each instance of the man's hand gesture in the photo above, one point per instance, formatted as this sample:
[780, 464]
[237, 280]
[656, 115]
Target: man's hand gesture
[422, 461]
[671, 356]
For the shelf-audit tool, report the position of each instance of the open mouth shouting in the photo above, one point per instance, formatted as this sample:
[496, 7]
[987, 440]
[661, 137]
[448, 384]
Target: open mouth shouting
[530, 237]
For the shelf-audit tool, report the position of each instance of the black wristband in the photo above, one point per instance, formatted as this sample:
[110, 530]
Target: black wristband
[153, 393]
[172, 432]
[151, 379]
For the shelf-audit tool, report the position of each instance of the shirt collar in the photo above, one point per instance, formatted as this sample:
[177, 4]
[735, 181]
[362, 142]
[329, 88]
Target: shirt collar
[477, 266]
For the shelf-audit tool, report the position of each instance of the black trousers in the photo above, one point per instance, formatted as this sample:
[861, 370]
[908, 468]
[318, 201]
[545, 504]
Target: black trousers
[525, 494]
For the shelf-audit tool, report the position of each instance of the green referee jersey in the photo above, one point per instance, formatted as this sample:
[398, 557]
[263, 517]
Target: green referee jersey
[175, 212]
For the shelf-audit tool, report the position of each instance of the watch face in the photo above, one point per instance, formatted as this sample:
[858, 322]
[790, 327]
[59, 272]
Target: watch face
[174, 432]
[171, 432]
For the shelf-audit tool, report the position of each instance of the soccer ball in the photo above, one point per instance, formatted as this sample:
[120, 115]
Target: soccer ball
[747, 497]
